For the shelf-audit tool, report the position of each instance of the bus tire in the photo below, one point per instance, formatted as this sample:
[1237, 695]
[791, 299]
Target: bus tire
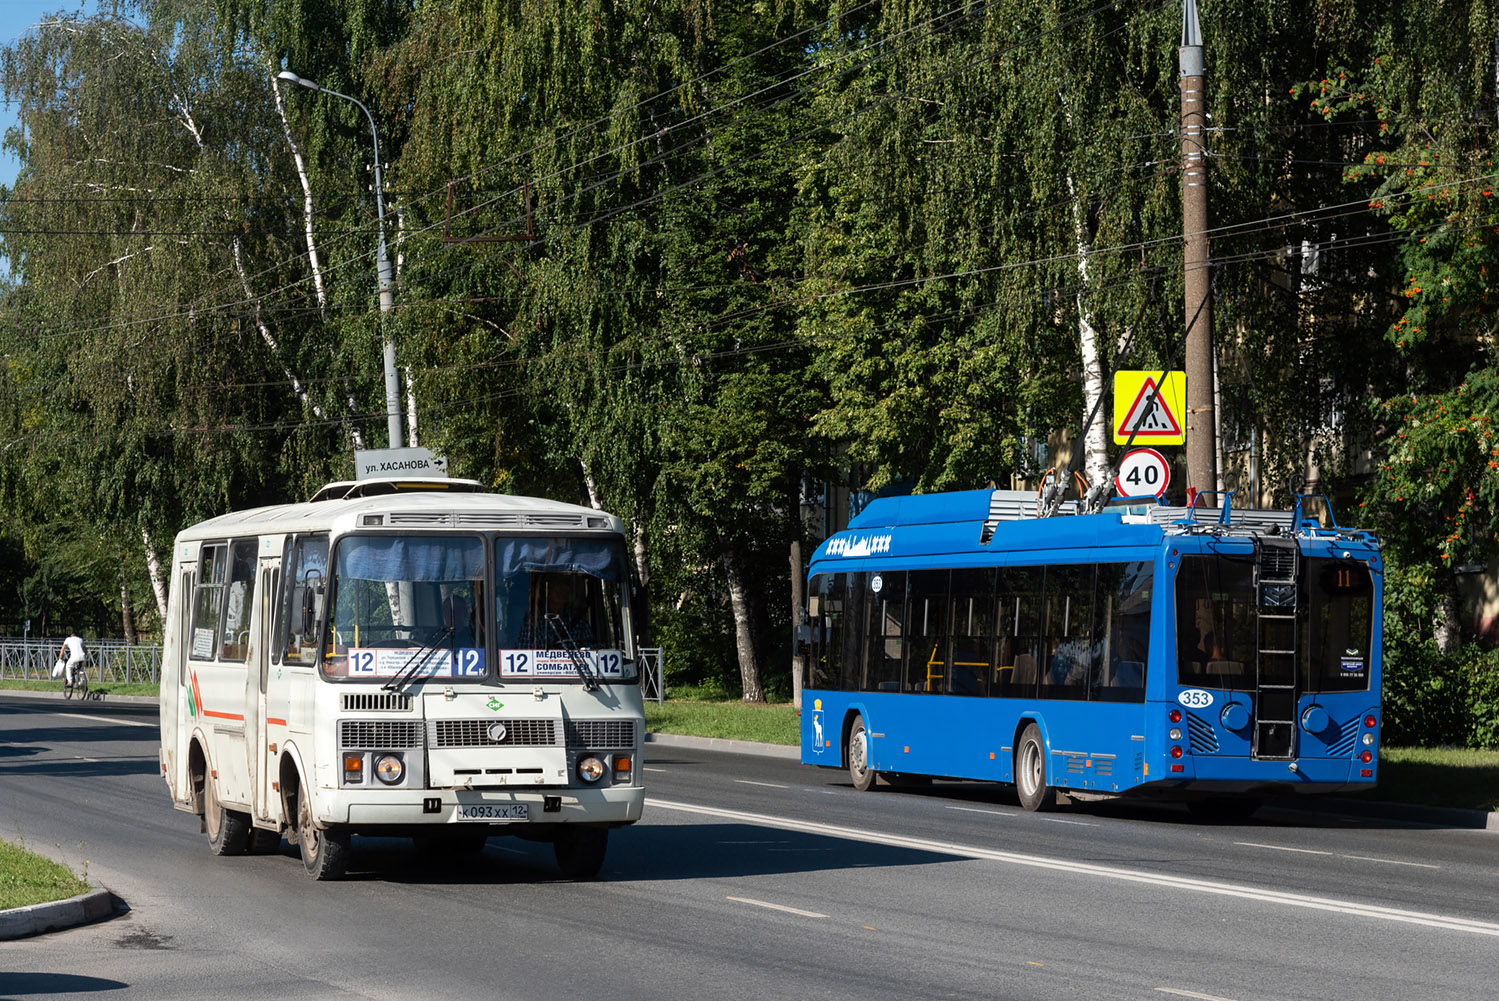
[1030, 771]
[858, 757]
[264, 842]
[580, 850]
[228, 830]
[325, 853]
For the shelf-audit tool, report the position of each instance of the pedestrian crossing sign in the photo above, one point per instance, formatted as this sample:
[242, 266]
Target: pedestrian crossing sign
[1150, 406]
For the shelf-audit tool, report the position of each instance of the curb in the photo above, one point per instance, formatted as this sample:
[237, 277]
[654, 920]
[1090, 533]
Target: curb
[1433, 816]
[58, 915]
[27, 693]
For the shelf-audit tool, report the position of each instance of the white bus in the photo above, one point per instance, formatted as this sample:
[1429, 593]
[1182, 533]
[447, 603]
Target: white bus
[403, 658]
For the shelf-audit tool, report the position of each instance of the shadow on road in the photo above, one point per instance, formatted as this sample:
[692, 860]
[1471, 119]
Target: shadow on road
[17, 985]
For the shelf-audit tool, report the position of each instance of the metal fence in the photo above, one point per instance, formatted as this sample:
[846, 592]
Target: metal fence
[110, 660]
[115, 660]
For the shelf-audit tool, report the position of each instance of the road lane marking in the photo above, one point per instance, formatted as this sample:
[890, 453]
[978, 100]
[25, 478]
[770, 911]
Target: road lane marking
[1356, 858]
[1243, 891]
[1059, 820]
[97, 719]
[992, 813]
[768, 785]
[776, 907]
[650, 769]
[1191, 994]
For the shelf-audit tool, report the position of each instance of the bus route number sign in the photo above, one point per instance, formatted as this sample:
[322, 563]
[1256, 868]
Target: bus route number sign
[1143, 472]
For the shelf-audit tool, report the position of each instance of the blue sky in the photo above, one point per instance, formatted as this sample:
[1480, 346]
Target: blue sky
[16, 16]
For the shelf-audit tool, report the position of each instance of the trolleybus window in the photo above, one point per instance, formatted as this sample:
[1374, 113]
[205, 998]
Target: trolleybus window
[928, 671]
[1216, 621]
[885, 605]
[1019, 630]
[1340, 627]
[399, 597]
[972, 632]
[1069, 632]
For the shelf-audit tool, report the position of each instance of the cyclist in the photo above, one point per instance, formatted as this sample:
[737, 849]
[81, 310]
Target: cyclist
[74, 655]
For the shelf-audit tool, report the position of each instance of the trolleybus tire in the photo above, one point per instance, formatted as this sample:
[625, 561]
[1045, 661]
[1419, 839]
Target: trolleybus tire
[1224, 809]
[858, 757]
[580, 850]
[1030, 771]
[325, 854]
[228, 830]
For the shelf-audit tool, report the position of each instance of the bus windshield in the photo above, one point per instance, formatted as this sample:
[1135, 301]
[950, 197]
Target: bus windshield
[404, 598]
[560, 605]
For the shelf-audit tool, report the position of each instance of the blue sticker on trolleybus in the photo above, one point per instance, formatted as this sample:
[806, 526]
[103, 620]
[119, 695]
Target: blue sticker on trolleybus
[1195, 698]
[858, 545]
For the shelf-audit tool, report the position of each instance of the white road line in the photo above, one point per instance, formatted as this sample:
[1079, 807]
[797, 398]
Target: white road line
[97, 719]
[768, 785]
[650, 769]
[1076, 823]
[1356, 858]
[1191, 994]
[776, 907]
[992, 813]
[1281, 897]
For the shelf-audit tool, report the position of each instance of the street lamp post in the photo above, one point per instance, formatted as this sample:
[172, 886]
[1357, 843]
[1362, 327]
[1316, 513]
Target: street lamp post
[382, 267]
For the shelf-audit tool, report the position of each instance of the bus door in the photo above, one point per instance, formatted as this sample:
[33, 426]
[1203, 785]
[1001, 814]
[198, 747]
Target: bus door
[268, 701]
[177, 698]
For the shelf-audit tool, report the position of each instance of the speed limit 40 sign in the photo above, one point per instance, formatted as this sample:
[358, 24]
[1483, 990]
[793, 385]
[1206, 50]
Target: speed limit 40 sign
[1142, 472]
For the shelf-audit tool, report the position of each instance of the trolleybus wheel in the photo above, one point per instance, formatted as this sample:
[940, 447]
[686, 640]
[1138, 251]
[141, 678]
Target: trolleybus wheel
[1223, 809]
[858, 757]
[325, 854]
[228, 830]
[1030, 771]
[580, 850]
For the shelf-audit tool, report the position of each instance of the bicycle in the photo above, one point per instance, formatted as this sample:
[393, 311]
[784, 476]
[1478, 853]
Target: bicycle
[79, 686]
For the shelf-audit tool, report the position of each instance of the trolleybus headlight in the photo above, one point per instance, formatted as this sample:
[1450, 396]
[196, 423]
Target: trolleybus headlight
[1176, 752]
[590, 769]
[389, 768]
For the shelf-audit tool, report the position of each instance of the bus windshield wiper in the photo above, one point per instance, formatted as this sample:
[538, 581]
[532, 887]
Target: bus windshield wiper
[415, 662]
[579, 662]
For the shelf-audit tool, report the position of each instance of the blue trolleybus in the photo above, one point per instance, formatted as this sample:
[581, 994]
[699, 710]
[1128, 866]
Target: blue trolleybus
[1213, 657]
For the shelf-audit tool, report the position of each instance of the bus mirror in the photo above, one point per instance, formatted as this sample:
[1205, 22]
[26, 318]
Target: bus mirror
[814, 606]
[307, 618]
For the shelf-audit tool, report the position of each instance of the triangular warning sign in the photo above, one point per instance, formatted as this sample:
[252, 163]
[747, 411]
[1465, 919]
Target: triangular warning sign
[1149, 418]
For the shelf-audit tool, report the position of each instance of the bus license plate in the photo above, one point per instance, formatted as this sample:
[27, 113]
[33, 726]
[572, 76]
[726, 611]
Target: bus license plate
[494, 811]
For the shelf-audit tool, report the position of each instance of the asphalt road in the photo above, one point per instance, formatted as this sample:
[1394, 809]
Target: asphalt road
[749, 877]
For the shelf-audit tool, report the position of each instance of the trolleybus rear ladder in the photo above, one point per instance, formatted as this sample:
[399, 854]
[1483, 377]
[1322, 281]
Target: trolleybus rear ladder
[1275, 646]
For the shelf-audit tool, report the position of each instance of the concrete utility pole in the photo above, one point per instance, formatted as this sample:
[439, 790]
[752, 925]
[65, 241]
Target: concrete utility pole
[1201, 361]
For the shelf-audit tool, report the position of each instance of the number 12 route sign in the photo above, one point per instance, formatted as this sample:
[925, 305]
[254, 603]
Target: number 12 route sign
[1142, 472]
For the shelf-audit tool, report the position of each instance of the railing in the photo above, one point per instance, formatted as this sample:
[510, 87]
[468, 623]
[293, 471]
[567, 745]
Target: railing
[114, 660]
[110, 660]
[652, 678]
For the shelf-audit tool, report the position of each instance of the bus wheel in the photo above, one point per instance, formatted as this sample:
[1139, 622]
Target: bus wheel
[228, 830]
[1030, 771]
[264, 842]
[580, 850]
[325, 854]
[1223, 809]
[858, 757]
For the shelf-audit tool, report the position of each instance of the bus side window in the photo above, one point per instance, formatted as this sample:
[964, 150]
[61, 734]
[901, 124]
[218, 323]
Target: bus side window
[304, 586]
[1018, 630]
[1069, 632]
[973, 633]
[239, 594]
[208, 601]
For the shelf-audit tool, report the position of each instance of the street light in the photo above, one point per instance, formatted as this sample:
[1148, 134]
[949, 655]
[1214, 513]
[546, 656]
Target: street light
[382, 267]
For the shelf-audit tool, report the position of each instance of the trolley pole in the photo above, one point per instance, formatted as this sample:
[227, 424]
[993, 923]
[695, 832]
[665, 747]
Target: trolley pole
[1201, 362]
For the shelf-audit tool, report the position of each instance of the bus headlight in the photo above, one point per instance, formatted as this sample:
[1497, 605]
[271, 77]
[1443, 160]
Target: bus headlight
[590, 769]
[389, 768]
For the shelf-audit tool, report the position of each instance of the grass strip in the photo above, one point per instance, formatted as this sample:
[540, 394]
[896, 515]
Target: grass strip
[27, 878]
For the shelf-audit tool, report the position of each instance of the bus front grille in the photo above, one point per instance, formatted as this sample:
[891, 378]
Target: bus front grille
[481, 733]
[600, 734]
[365, 702]
[379, 734]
